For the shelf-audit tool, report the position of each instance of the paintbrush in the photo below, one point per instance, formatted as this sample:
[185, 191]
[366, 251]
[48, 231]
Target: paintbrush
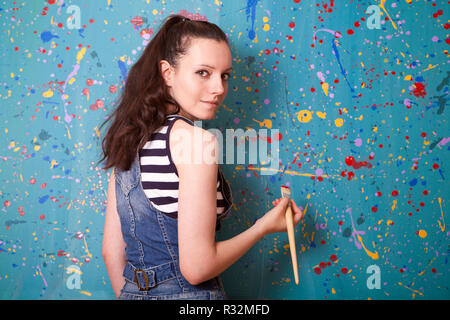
[286, 193]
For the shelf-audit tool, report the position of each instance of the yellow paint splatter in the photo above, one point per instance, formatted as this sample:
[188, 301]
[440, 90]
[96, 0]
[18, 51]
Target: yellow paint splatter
[431, 67]
[381, 5]
[339, 122]
[373, 255]
[393, 205]
[68, 133]
[81, 54]
[415, 291]
[304, 116]
[54, 163]
[266, 123]
[73, 270]
[442, 213]
[321, 115]
[48, 94]
[97, 132]
[87, 250]
[422, 233]
[280, 170]
[266, 27]
[325, 87]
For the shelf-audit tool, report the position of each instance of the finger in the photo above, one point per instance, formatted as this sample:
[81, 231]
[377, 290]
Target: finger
[284, 202]
[297, 217]
[295, 208]
[298, 214]
[277, 200]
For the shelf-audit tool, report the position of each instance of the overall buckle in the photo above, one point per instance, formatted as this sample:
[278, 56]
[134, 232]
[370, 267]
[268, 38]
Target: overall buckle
[136, 279]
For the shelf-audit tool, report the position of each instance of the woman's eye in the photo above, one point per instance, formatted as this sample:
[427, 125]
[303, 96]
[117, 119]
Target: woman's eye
[226, 76]
[202, 73]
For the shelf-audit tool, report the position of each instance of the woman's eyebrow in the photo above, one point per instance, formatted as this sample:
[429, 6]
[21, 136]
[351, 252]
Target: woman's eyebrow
[208, 66]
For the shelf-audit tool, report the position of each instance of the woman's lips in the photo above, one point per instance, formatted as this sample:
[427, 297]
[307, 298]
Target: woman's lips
[212, 103]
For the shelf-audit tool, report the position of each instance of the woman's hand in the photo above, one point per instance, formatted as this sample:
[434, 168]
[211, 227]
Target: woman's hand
[275, 220]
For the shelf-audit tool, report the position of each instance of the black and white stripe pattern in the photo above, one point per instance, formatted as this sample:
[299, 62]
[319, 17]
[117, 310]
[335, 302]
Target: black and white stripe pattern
[159, 174]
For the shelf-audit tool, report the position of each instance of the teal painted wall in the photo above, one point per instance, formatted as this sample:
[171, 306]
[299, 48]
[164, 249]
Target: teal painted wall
[364, 138]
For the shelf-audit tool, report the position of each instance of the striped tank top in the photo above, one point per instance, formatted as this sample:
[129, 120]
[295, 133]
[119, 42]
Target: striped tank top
[159, 175]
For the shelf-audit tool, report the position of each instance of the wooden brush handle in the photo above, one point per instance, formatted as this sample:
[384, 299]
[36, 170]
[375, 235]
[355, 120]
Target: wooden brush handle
[290, 230]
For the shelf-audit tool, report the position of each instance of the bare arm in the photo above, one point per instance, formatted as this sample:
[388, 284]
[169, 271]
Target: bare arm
[113, 246]
[201, 257]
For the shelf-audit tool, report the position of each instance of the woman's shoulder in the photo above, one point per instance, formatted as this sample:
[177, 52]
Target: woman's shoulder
[181, 127]
[192, 145]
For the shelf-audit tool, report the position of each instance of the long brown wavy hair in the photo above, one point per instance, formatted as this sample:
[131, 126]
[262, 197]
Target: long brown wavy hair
[142, 106]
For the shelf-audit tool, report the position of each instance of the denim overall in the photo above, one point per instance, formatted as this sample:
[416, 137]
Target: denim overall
[152, 270]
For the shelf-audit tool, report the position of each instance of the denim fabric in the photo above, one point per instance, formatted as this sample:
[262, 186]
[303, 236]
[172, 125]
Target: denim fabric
[152, 270]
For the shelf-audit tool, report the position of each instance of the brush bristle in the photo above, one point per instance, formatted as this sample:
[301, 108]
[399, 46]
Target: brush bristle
[285, 191]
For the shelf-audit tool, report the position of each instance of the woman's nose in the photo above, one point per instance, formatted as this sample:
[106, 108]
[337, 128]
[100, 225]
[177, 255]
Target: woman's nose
[217, 85]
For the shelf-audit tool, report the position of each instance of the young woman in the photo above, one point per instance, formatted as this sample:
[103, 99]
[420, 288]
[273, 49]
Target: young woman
[163, 209]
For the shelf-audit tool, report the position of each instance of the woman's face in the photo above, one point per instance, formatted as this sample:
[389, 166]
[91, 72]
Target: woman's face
[199, 82]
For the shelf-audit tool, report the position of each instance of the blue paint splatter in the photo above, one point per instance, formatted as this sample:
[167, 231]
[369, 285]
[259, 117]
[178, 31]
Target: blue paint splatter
[123, 69]
[251, 10]
[344, 73]
[43, 199]
[46, 36]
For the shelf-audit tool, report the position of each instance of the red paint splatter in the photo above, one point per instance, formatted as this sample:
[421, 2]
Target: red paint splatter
[438, 13]
[44, 11]
[349, 174]
[278, 137]
[137, 22]
[351, 162]
[112, 88]
[419, 90]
